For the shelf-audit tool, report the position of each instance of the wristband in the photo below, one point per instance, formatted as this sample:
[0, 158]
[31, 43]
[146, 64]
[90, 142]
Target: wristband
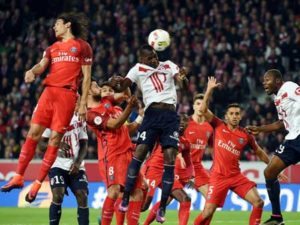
[139, 119]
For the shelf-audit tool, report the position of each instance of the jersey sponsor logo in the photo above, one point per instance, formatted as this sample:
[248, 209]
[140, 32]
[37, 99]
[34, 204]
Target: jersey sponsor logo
[97, 120]
[87, 60]
[297, 91]
[73, 49]
[64, 58]
[230, 147]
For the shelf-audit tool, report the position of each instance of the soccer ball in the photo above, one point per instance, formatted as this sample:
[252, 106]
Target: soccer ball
[159, 39]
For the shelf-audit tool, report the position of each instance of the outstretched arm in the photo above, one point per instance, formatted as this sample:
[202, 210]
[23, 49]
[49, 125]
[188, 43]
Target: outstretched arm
[211, 85]
[36, 70]
[278, 125]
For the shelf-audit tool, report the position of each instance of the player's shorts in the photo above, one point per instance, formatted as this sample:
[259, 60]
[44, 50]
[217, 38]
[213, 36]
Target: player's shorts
[159, 124]
[289, 151]
[219, 186]
[61, 178]
[201, 176]
[115, 171]
[55, 108]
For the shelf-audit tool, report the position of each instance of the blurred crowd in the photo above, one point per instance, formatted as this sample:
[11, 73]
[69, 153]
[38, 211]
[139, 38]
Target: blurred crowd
[235, 40]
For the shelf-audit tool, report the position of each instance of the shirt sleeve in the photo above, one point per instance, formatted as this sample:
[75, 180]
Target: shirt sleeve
[216, 122]
[293, 91]
[174, 68]
[252, 142]
[87, 54]
[46, 133]
[83, 133]
[46, 53]
[97, 119]
[132, 74]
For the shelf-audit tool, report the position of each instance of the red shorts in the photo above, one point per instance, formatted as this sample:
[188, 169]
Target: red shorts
[153, 177]
[115, 170]
[219, 186]
[55, 108]
[201, 176]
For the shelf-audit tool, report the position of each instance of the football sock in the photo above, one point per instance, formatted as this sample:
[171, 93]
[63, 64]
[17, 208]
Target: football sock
[107, 211]
[83, 216]
[134, 211]
[273, 189]
[184, 213]
[120, 216]
[132, 173]
[201, 221]
[152, 214]
[167, 184]
[255, 216]
[26, 155]
[47, 162]
[54, 213]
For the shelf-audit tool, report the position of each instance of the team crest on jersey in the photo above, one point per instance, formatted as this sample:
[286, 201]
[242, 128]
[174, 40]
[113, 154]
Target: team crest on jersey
[207, 134]
[73, 49]
[97, 120]
[241, 140]
[107, 105]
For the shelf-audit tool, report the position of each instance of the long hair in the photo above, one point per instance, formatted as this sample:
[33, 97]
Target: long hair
[79, 23]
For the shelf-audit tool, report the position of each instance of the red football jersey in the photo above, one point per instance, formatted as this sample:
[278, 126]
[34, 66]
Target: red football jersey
[228, 146]
[198, 136]
[66, 59]
[110, 142]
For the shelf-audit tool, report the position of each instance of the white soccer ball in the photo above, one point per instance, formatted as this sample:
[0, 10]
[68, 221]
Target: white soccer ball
[159, 39]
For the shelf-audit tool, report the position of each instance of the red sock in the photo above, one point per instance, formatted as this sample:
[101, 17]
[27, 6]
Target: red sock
[255, 216]
[120, 216]
[26, 155]
[134, 211]
[107, 211]
[47, 162]
[202, 221]
[152, 214]
[184, 213]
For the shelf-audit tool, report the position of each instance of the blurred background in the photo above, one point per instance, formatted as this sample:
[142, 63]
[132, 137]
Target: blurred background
[237, 41]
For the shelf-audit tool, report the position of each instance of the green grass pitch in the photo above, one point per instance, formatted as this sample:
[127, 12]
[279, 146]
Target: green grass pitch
[37, 216]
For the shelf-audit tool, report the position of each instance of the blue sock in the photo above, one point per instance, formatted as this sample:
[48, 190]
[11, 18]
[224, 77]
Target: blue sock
[167, 184]
[273, 189]
[54, 213]
[132, 173]
[83, 216]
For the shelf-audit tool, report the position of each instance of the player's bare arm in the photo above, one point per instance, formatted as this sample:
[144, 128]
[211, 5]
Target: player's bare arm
[182, 79]
[36, 70]
[133, 127]
[120, 97]
[78, 160]
[86, 83]
[119, 83]
[262, 155]
[118, 122]
[211, 85]
[278, 125]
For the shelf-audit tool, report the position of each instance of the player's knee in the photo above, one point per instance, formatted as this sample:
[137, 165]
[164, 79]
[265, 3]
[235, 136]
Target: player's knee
[81, 197]
[187, 198]
[55, 139]
[58, 197]
[268, 173]
[113, 191]
[137, 195]
[170, 155]
[141, 152]
[35, 132]
[258, 203]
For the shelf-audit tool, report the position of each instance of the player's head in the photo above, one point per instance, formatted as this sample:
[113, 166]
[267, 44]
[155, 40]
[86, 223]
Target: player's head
[233, 114]
[106, 89]
[272, 81]
[198, 99]
[184, 119]
[76, 23]
[148, 56]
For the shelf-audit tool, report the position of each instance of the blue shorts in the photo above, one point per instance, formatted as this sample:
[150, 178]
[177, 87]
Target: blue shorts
[289, 151]
[61, 178]
[159, 125]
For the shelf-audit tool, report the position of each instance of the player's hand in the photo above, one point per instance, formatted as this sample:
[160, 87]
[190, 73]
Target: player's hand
[212, 83]
[182, 162]
[281, 177]
[253, 130]
[132, 102]
[82, 112]
[74, 169]
[191, 183]
[141, 110]
[29, 76]
[182, 73]
[115, 82]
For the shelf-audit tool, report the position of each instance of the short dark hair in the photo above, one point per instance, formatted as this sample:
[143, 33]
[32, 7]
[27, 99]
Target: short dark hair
[275, 73]
[79, 23]
[144, 48]
[233, 105]
[198, 96]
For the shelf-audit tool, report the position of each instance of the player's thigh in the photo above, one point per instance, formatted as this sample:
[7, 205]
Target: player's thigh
[274, 167]
[241, 185]
[170, 127]
[79, 181]
[64, 107]
[217, 190]
[201, 177]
